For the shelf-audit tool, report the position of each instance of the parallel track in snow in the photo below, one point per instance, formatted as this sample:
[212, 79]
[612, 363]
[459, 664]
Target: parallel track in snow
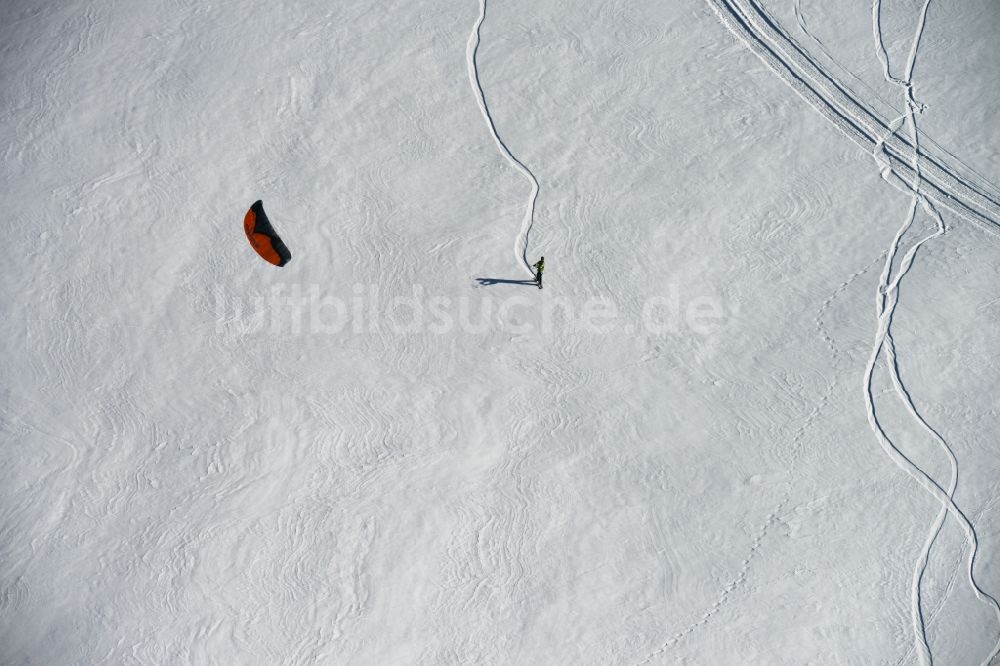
[978, 203]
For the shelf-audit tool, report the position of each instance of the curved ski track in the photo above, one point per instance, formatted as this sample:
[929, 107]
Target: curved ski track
[885, 307]
[888, 291]
[521, 241]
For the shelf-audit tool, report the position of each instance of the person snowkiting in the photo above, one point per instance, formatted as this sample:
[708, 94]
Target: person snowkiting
[539, 268]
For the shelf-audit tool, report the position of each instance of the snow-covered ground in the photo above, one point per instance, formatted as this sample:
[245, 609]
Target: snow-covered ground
[751, 419]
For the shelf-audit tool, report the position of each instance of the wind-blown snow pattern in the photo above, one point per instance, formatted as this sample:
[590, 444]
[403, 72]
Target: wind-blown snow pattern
[697, 446]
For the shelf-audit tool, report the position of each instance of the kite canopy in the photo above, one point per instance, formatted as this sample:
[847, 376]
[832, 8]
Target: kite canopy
[263, 238]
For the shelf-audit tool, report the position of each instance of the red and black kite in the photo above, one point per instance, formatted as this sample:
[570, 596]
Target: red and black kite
[263, 238]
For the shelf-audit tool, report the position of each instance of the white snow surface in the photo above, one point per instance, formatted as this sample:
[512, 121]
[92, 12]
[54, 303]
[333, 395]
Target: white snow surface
[751, 419]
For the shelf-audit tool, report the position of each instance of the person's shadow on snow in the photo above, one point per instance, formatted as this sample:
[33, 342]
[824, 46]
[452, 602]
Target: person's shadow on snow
[489, 282]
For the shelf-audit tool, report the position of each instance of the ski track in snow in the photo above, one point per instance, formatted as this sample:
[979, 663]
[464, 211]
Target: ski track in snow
[521, 241]
[888, 297]
[928, 180]
[952, 579]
